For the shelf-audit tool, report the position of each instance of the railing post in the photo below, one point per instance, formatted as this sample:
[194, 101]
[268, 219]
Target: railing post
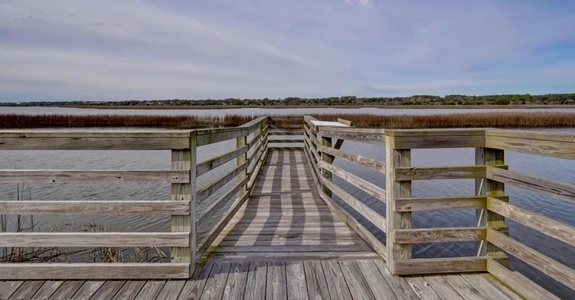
[395, 158]
[185, 160]
[242, 159]
[326, 141]
[487, 187]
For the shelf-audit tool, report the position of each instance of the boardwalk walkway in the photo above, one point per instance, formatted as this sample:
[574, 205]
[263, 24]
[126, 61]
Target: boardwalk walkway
[285, 243]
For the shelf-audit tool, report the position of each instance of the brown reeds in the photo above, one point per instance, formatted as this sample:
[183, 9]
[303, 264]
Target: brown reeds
[496, 119]
[143, 121]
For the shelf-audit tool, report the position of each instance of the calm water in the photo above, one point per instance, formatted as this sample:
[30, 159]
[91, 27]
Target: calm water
[550, 168]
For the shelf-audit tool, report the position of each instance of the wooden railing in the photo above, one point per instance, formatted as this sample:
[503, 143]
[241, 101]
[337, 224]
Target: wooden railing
[490, 201]
[182, 240]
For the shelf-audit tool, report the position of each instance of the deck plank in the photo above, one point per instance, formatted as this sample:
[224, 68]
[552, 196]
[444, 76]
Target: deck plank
[256, 281]
[276, 281]
[47, 289]
[484, 287]
[358, 285]
[194, 288]
[381, 289]
[317, 287]
[422, 288]
[108, 290]
[442, 287]
[172, 290]
[129, 290]
[88, 289]
[27, 289]
[151, 289]
[67, 289]
[236, 284]
[463, 287]
[217, 281]
[338, 288]
[398, 284]
[296, 283]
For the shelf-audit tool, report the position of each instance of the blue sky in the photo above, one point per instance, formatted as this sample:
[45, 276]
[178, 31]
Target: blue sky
[120, 50]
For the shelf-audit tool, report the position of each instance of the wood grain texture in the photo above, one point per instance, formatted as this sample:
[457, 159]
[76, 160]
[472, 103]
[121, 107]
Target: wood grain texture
[106, 207]
[543, 263]
[364, 185]
[93, 239]
[538, 143]
[10, 271]
[368, 163]
[212, 163]
[91, 176]
[438, 235]
[432, 173]
[420, 266]
[439, 203]
[371, 135]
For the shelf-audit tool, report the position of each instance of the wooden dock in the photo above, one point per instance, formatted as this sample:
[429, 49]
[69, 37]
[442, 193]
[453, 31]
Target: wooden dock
[284, 243]
[272, 228]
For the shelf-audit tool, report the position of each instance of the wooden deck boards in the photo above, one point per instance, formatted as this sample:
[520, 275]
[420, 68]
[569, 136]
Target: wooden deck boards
[285, 219]
[310, 279]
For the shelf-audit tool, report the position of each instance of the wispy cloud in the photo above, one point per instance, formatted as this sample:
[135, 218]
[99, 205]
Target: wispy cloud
[223, 48]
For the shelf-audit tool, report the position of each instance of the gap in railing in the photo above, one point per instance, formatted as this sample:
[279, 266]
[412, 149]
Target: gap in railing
[540, 278]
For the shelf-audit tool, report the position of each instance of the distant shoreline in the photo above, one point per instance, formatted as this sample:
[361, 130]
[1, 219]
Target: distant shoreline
[216, 107]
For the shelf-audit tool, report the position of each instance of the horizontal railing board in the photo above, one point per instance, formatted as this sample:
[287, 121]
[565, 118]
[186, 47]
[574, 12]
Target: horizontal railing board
[219, 203]
[438, 235]
[431, 173]
[438, 142]
[52, 271]
[94, 140]
[367, 135]
[211, 136]
[365, 162]
[362, 208]
[111, 207]
[439, 203]
[215, 162]
[257, 138]
[436, 132]
[93, 239]
[280, 132]
[537, 260]
[532, 146]
[253, 124]
[519, 283]
[285, 141]
[549, 187]
[65, 176]
[356, 181]
[440, 265]
[204, 192]
[545, 225]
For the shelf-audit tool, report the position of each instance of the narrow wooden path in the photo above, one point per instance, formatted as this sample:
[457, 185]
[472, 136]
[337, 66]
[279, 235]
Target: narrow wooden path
[285, 219]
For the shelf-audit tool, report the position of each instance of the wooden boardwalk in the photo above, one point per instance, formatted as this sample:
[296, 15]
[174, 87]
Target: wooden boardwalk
[285, 243]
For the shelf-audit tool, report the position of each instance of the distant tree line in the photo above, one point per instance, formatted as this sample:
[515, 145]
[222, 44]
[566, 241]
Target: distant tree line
[511, 99]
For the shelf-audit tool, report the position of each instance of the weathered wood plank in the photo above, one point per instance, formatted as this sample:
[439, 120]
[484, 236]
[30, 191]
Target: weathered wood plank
[217, 281]
[398, 284]
[151, 289]
[437, 138]
[442, 287]
[376, 282]
[549, 187]
[66, 176]
[9, 287]
[439, 203]
[422, 288]
[195, 287]
[317, 287]
[543, 263]
[396, 158]
[217, 204]
[501, 287]
[108, 207]
[130, 290]
[406, 174]
[358, 285]
[286, 256]
[366, 211]
[356, 181]
[47, 289]
[438, 235]
[296, 282]
[538, 143]
[518, 282]
[215, 162]
[276, 287]
[368, 135]
[336, 284]
[256, 281]
[108, 290]
[88, 289]
[26, 290]
[463, 287]
[171, 290]
[215, 135]
[185, 160]
[204, 192]
[293, 248]
[484, 287]
[95, 239]
[93, 140]
[440, 265]
[32, 271]
[545, 225]
[236, 283]
[359, 160]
